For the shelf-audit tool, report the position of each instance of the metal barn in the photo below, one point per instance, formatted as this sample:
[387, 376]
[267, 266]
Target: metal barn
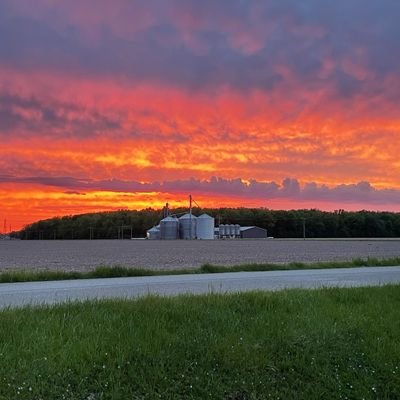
[253, 232]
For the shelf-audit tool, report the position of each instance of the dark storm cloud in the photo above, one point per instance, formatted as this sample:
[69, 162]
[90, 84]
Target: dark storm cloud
[204, 44]
[289, 189]
[31, 115]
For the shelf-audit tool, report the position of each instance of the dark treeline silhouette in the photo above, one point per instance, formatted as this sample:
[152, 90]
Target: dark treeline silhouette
[125, 224]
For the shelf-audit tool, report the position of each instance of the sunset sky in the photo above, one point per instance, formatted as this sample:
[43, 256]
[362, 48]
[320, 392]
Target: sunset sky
[129, 104]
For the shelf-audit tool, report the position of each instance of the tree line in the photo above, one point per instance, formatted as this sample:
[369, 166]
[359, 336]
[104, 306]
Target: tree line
[125, 224]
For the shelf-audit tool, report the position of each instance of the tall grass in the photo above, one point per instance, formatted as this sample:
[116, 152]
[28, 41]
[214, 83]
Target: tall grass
[121, 271]
[322, 344]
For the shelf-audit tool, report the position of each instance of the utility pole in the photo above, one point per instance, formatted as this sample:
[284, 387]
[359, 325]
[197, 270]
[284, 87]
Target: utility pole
[304, 228]
[121, 232]
[190, 217]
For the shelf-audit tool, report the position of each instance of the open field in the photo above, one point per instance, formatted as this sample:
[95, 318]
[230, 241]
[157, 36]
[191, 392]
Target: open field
[297, 344]
[87, 255]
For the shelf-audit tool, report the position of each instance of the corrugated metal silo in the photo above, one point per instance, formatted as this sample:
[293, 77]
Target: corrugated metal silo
[169, 228]
[227, 231]
[221, 230]
[205, 227]
[237, 230]
[231, 230]
[154, 233]
[187, 226]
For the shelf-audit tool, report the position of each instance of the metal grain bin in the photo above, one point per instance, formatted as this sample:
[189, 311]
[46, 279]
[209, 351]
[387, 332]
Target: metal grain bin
[237, 230]
[187, 226]
[154, 233]
[205, 227]
[169, 228]
[222, 230]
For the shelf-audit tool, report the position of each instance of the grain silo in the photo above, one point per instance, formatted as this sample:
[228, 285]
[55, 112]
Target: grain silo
[237, 230]
[222, 232]
[154, 233]
[169, 228]
[187, 226]
[205, 227]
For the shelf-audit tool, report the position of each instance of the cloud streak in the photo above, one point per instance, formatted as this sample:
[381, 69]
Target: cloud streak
[289, 189]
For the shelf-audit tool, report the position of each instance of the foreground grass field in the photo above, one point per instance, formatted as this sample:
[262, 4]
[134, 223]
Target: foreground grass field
[119, 271]
[321, 344]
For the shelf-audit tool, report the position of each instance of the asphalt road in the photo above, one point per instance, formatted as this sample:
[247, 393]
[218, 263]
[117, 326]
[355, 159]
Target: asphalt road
[35, 293]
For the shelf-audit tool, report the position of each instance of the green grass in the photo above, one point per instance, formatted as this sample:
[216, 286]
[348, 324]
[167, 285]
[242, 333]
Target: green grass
[358, 262]
[297, 344]
[120, 271]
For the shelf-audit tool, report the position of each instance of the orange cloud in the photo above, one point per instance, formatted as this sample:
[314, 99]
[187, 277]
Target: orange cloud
[85, 128]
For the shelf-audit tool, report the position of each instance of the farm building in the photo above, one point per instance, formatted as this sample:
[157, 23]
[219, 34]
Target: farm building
[188, 226]
[191, 227]
[253, 232]
[240, 232]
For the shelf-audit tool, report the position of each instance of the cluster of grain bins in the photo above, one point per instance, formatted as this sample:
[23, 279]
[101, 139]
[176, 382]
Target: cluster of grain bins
[188, 226]
[229, 231]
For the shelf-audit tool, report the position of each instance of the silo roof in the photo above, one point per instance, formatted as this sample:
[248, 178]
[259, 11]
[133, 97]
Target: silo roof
[205, 216]
[187, 216]
[169, 219]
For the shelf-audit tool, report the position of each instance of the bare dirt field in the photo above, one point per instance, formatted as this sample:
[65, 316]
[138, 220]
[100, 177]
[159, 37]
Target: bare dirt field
[85, 255]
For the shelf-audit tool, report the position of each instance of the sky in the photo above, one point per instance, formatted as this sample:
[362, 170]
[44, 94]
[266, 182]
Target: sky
[119, 104]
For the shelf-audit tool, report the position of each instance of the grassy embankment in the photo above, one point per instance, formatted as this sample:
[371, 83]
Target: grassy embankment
[321, 344]
[120, 271]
